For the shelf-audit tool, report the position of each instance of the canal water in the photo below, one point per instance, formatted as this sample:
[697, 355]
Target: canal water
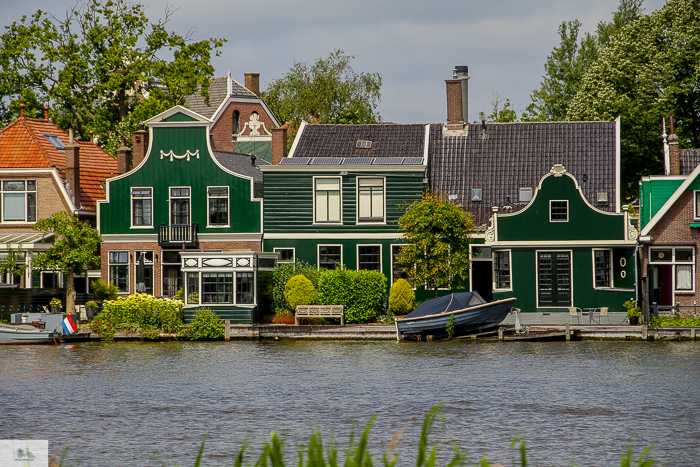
[127, 404]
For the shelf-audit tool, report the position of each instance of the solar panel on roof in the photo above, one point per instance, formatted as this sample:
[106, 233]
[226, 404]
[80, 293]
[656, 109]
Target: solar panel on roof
[413, 161]
[295, 161]
[357, 161]
[326, 161]
[388, 160]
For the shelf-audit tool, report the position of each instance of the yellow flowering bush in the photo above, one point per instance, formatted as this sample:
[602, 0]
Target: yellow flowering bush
[144, 311]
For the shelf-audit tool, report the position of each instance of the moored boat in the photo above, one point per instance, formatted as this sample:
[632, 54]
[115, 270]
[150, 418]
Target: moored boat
[27, 334]
[470, 311]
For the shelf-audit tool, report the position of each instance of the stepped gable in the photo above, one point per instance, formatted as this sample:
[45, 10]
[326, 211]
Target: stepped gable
[217, 94]
[508, 156]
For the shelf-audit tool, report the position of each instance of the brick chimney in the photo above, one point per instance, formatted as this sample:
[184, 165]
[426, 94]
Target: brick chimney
[252, 82]
[72, 151]
[279, 145]
[139, 144]
[123, 158]
[458, 98]
[674, 153]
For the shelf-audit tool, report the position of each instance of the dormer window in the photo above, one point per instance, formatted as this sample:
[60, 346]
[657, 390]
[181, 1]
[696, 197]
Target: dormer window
[525, 195]
[57, 143]
[476, 194]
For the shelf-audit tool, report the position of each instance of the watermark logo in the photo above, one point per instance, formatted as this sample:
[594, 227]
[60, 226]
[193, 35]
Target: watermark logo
[24, 453]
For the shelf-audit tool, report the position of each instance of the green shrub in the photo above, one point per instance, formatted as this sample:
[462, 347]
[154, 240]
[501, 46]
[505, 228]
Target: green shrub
[104, 290]
[205, 325]
[284, 272]
[299, 291]
[674, 321]
[144, 311]
[402, 298]
[362, 293]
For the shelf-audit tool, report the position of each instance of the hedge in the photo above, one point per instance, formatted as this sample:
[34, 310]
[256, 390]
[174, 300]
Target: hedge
[362, 293]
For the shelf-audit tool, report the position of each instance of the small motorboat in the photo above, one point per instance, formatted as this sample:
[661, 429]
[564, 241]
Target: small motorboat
[470, 311]
[27, 334]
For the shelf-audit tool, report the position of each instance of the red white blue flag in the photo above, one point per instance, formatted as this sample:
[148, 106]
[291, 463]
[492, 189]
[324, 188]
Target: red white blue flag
[69, 326]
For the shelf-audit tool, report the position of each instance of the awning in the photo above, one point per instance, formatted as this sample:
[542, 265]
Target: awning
[26, 241]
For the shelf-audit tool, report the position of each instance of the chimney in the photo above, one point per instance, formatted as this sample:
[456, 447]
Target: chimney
[252, 82]
[72, 151]
[674, 153]
[457, 98]
[123, 158]
[279, 145]
[139, 144]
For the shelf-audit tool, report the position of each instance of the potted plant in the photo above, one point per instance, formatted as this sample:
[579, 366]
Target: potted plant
[90, 309]
[55, 305]
[633, 311]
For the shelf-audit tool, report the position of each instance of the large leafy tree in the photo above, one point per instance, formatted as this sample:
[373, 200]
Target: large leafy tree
[437, 233]
[102, 65]
[74, 250]
[650, 70]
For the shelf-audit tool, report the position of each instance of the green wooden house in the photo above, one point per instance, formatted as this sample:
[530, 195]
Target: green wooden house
[560, 251]
[188, 217]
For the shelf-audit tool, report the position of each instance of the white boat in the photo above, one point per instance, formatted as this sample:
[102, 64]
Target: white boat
[27, 334]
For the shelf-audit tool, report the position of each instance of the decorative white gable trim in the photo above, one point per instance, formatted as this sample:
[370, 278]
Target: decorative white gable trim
[557, 170]
[173, 156]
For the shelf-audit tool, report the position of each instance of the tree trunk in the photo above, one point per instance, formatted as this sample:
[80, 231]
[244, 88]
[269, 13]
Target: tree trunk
[70, 292]
[436, 292]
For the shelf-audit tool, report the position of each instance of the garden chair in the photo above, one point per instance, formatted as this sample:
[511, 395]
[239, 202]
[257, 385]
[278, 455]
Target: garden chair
[575, 312]
[603, 314]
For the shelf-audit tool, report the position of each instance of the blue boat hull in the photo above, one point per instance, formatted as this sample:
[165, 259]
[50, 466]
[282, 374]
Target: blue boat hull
[467, 321]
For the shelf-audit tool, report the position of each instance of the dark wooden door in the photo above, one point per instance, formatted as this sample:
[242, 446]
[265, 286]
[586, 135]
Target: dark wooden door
[481, 279]
[554, 279]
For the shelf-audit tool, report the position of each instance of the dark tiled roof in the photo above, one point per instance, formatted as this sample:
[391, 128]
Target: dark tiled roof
[242, 164]
[689, 159]
[388, 140]
[516, 155]
[217, 94]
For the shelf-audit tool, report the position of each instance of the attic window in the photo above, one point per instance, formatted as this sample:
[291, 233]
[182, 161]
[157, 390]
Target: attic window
[363, 144]
[525, 195]
[476, 194]
[602, 198]
[57, 143]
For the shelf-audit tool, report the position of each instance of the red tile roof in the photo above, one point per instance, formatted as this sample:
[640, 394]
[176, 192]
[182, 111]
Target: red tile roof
[23, 144]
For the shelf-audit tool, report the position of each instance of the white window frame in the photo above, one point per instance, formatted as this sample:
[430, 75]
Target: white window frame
[673, 262]
[128, 269]
[610, 285]
[131, 206]
[170, 198]
[294, 253]
[186, 294]
[370, 220]
[228, 205]
[340, 200]
[318, 253]
[696, 212]
[391, 253]
[24, 192]
[510, 270]
[357, 256]
[163, 265]
[568, 216]
[153, 265]
[235, 288]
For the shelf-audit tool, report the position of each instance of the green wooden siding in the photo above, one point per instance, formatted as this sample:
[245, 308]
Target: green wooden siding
[653, 194]
[198, 173]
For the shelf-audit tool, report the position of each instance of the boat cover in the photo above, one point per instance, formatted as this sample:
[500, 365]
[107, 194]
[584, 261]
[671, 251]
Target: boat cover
[448, 303]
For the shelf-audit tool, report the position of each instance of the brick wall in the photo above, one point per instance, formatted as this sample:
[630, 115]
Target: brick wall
[222, 130]
[454, 100]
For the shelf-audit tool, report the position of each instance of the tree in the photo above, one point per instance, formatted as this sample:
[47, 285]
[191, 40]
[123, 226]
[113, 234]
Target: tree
[500, 110]
[329, 91]
[437, 234]
[12, 263]
[650, 70]
[100, 64]
[73, 250]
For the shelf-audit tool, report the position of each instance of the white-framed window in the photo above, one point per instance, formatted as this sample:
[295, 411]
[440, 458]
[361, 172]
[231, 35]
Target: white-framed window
[602, 268]
[480, 252]
[217, 287]
[696, 214]
[144, 273]
[217, 202]
[559, 211]
[369, 257]
[18, 200]
[396, 271]
[525, 194]
[180, 206]
[370, 199]
[502, 270]
[119, 270]
[192, 297]
[476, 194]
[330, 256]
[171, 272]
[327, 200]
[245, 288]
[682, 258]
[141, 207]
[286, 255]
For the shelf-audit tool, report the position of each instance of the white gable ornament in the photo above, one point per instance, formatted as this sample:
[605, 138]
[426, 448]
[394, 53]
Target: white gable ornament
[558, 170]
[173, 156]
[254, 124]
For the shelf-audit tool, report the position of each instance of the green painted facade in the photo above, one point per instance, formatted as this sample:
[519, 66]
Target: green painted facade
[262, 149]
[653, 194]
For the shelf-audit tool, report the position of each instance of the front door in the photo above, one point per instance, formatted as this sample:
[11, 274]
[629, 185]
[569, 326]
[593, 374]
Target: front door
[662, 285]
[482, 281]
[554, 279]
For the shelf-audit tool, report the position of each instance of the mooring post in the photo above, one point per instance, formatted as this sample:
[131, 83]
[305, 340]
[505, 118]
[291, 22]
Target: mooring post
[645, 335]
[568, 332]
[227, 330]
[500, 334]
[693, 334]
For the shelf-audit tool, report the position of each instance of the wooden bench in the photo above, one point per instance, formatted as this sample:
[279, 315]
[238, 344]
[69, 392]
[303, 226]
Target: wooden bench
[319, 311]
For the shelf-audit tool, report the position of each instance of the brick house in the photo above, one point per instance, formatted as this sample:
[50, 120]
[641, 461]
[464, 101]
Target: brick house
[670, 230]
[43, 171]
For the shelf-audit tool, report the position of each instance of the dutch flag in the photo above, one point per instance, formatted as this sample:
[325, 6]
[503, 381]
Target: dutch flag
[69, 326]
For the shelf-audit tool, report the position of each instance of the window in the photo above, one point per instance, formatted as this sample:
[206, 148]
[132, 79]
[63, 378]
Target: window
[369, 257]
[217, 287]
[370, 199]
[327, 200]
[481, 252]
[144, 271]
[697, 205]
[476, 194]
[119, 270]
[682, 260]
[172, 276]
[329, 256]
[286, 255]
[193, 288]
[501, 269]
[244, 288]
[141, 207]
[396, 272]
[603, 268]
[217, 197]
[235, 122]
[558, 211]
[18, 200]
[179, 206]
[57, 143]
[525, 195]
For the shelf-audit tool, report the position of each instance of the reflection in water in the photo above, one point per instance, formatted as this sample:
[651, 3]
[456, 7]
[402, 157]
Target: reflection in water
[117, 404]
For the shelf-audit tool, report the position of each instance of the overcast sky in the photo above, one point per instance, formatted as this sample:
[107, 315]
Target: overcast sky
[413, 44]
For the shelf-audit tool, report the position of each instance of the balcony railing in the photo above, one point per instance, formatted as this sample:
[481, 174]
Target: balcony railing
[177, 235]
